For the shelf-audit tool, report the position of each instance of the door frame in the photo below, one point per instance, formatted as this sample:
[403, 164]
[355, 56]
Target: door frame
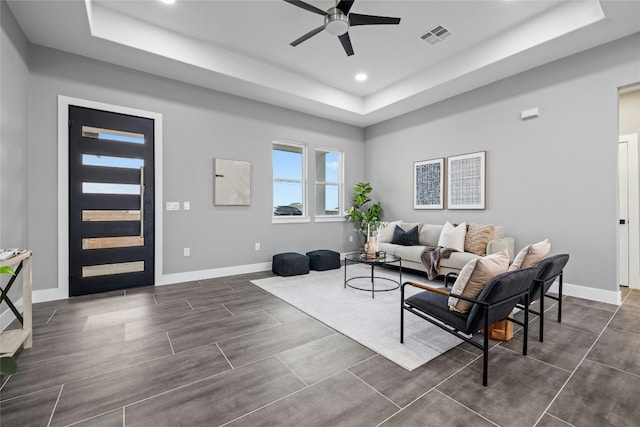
[633, 220]
[62, 291]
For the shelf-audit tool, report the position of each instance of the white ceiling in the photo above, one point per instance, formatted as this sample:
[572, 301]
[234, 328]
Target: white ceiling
[242, 47]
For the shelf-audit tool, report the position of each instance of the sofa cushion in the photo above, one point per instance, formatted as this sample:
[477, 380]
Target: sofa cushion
[405, 238]
[409, 253]
[477, 237]
[457, 260]
[531, 255]
[453, 236]
[388, 248]
[386, 233]
[474, 277]
[429, 234]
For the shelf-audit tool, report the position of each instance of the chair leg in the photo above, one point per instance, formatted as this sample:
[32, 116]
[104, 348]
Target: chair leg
[541, 337]
[560, 298]
[485, 350]
[526, 325]
[401, 314]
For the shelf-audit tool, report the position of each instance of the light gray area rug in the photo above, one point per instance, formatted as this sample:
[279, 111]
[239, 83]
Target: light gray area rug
[373, 322]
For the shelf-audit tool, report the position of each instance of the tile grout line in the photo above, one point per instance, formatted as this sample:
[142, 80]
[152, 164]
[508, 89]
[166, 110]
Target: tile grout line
[55, 406]
[559, 419]
[155, 299]
[578, 366]
[537, 360]
[466, 407]
[376, 391]
[124, 416]
[170, 345]
[51, 317]
[292, 371]
[426, 392]
[225, 356]
[277, 400]
[232, 315]
[189, 304]
[614, 368]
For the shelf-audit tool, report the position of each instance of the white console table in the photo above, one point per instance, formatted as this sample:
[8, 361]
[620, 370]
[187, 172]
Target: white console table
[11, 340]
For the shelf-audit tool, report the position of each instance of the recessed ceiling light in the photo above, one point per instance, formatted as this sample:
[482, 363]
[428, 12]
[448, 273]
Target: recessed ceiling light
[361, 77]
[168, 1]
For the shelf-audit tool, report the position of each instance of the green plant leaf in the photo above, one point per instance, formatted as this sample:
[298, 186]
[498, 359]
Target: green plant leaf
[6, 270]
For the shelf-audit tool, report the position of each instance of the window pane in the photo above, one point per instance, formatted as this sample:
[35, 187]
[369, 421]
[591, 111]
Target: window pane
[114, 162]
[328, 166]
[108, 269]
[108, 188]
[112, 135]
[287, 164]
[287, 198]
[112, 242]
[110, 215]
[327, 199]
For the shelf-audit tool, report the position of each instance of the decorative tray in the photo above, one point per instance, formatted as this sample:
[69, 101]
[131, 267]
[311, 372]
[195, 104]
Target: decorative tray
[381, 255]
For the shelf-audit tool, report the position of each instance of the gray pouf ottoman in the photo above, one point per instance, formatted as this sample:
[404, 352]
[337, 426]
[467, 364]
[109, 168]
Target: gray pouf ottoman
[290, 264]
[323, 259]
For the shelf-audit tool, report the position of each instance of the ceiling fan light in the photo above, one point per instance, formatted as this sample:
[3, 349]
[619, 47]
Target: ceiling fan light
[336, 23]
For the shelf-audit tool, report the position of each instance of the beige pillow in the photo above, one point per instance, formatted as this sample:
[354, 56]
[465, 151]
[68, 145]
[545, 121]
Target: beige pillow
[453, 237]
[475, 275]
[386, 233]
[477, 237]
[531, 255]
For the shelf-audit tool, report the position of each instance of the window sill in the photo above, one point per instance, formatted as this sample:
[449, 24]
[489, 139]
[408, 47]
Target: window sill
[290, 219]
[330, 219]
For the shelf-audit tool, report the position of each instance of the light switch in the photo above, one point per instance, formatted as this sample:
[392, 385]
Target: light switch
[173, 206]
[186, 206]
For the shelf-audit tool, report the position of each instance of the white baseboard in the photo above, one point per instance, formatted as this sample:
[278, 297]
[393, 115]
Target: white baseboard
[593, 294]
[169, 279]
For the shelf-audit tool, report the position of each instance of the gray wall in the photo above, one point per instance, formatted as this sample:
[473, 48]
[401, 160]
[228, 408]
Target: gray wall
[553, 177]
[199, 125]
[14, 132]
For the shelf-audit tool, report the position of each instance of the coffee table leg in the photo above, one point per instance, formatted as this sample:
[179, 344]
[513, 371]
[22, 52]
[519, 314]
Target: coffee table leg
[373, 293]
[345, 272]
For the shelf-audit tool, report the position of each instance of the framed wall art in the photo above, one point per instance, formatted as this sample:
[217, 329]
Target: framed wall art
[466, 181]
[231, 182]
[428, 184]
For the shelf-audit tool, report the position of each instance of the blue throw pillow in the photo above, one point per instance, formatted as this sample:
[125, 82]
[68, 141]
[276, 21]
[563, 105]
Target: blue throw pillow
[405, 238]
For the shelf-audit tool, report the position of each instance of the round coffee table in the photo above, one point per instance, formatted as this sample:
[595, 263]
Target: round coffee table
[360, 258]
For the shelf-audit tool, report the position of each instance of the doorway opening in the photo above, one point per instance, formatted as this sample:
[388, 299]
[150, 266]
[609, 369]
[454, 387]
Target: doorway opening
[629, 187]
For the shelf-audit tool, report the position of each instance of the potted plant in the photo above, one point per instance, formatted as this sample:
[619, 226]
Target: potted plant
[7, 363]
[364, 213]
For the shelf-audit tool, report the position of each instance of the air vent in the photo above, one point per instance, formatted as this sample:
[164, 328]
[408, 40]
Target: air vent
[436, 35]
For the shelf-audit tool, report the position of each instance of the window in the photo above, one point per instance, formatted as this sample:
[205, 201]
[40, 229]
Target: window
[289, 182]
[329, 183]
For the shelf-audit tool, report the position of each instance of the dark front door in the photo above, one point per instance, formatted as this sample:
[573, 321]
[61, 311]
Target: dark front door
[111, 201]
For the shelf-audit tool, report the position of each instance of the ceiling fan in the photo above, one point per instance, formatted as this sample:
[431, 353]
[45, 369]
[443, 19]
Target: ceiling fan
[337, 21]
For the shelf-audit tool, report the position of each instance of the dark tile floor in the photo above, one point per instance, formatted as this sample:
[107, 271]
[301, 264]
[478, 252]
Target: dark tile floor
[223, 352]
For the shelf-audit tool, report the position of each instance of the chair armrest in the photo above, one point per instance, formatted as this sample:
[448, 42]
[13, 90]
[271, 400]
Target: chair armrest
[427, 288]
[497, 245]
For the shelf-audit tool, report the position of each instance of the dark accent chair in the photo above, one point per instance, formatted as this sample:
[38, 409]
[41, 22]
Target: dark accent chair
[549, 270]
[495, 303]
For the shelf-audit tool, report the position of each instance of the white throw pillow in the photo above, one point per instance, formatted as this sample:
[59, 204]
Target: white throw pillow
[386, 233]
[453, 237]
[531, 255]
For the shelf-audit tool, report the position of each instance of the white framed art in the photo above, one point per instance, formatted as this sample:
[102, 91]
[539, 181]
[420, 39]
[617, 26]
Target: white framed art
[466, 181]
[428, 184]
[232, 182]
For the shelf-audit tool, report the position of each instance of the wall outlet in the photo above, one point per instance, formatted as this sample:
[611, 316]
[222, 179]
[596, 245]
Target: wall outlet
[257, 246]
[186, 206]
[173, 206]
[351, 238]
[187, 252]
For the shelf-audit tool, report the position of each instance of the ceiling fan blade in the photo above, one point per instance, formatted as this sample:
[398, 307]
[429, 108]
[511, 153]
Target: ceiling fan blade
[357, 19]
[307, 6]
[345, 5]
[307, 36]
[346, 43]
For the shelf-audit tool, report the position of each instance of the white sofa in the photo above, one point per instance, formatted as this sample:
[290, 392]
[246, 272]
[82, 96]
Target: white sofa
[428, 236]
